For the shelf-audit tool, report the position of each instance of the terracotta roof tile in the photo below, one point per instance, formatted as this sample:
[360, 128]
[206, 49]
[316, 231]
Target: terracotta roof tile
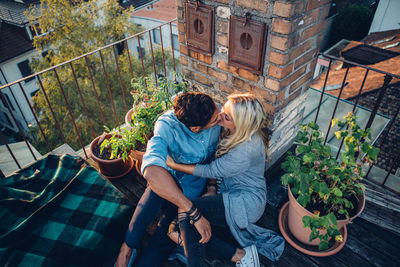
[164, 10]
[356, 74]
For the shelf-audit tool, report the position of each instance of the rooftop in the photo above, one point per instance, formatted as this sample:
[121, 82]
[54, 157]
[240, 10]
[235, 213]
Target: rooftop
[14, 41]
[163, 10]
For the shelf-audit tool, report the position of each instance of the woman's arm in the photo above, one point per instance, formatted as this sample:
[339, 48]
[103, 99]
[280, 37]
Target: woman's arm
[186, 168]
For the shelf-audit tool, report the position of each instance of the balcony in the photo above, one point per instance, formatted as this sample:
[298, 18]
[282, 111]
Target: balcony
[62, 128]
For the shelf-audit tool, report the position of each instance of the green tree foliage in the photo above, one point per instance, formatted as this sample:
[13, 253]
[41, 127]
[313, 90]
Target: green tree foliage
[353, 21]
[73, 28]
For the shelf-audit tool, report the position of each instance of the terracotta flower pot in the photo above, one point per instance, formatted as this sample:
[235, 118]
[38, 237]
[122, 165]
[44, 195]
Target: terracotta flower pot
[128, 118]
[297, 212]
[112, 168]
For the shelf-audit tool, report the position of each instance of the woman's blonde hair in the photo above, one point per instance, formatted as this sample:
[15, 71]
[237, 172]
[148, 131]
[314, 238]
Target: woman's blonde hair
[248, 115]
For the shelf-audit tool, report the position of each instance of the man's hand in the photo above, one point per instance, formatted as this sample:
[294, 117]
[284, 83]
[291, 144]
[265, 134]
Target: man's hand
[170, 162]
[204, 229]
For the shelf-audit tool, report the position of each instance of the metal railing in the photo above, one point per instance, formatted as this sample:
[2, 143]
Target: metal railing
[388, 77]
[101, 66]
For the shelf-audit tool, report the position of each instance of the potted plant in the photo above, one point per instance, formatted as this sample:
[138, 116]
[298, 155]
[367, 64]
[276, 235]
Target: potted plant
[150, 100]
[111, 151]
[325, 193]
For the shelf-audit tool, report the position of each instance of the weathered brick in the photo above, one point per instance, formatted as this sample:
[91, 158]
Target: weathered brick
[184, 61]
[222, 39]
[272, 84]
[259, 5]
[224, 66]
[281, 26]
[279, 72]
[311, 17]
[269, 108]
[181, 26]
[305, 58]
[201, 57]
[223, 1]
[200, 67]
[223, 77]
[180, 14]
[325, 12]
[313, 30]
[278, 58]
[222, 26]
[226, 89]
[183, 50]
[281, 96]
[247, 75]
[198, 77]
[264, 94]
[181, 38]
[311, 4]
[180, 3]
[288, 10]
[294, 76]
[278, 42]
[301, 49]
[301, 81]
[223, 12]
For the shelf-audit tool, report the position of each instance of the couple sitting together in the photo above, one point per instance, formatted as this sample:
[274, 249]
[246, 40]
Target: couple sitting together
[191, 155]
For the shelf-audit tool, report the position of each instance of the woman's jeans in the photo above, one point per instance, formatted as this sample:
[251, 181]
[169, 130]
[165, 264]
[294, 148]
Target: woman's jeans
[159, 246]
[221, 244]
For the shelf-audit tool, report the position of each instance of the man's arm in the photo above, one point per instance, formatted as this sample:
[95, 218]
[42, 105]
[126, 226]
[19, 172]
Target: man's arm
[162, 183]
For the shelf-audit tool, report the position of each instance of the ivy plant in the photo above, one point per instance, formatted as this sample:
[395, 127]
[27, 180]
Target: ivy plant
[321, 182]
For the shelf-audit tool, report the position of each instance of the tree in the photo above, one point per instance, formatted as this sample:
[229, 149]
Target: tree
[72, 28]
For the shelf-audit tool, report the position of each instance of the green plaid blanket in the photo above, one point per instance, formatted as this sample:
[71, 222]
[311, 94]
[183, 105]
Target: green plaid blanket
[60, 212]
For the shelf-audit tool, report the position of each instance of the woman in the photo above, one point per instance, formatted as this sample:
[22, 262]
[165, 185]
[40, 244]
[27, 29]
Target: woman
[239, 170]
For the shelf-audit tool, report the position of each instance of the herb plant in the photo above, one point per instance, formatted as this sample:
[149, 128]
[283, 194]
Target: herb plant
[322, 183]
[119, 144]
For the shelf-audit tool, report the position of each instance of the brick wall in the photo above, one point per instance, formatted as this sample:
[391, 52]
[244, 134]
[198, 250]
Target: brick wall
[294, 32]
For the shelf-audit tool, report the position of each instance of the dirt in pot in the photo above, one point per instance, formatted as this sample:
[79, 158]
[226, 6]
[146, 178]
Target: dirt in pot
[104, 155]
[323, 208]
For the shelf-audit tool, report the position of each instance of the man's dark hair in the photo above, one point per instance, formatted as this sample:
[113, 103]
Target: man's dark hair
[194, 109]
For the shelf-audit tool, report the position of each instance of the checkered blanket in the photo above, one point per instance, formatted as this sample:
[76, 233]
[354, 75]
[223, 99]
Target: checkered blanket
[60, 212]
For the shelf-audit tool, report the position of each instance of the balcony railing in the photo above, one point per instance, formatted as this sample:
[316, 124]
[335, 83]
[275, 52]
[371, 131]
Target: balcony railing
[381, 131]
[87, 129]
[99, 84]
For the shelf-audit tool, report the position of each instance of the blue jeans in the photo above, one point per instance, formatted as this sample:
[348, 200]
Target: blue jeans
[160, 245]
[221, 244]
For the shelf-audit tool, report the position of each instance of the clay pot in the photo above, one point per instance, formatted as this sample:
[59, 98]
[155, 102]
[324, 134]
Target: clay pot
[128, 118]
[112, 168]
[297, 212]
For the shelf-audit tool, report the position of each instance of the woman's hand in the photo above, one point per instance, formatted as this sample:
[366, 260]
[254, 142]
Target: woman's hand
[170, 162]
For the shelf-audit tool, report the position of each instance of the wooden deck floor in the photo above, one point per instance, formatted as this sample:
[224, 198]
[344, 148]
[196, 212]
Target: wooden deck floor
[367, 244]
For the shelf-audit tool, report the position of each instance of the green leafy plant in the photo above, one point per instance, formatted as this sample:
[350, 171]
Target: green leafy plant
[151, 99]
[324, 185]
[119, 144]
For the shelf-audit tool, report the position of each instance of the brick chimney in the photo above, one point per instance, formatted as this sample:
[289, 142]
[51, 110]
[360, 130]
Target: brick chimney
[294, 31]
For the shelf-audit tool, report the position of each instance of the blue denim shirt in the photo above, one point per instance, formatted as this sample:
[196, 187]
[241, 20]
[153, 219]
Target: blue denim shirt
[173, 138]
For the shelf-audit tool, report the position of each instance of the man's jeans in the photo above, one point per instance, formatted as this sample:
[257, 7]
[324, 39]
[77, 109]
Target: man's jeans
[221, 244]
[159, 246]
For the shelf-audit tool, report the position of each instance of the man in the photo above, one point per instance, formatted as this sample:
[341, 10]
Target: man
[188, 134]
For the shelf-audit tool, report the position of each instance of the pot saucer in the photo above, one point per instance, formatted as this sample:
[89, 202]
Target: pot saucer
[307, 249]
[131, 165]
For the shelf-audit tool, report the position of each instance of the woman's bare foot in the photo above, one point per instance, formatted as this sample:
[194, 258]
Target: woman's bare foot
[124, 256]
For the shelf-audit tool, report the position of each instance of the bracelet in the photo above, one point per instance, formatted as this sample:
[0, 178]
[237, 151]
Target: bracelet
[192, 218]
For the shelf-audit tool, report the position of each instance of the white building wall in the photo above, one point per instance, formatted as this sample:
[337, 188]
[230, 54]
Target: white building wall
[9, 73]
[387, 16]
[149, 23]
